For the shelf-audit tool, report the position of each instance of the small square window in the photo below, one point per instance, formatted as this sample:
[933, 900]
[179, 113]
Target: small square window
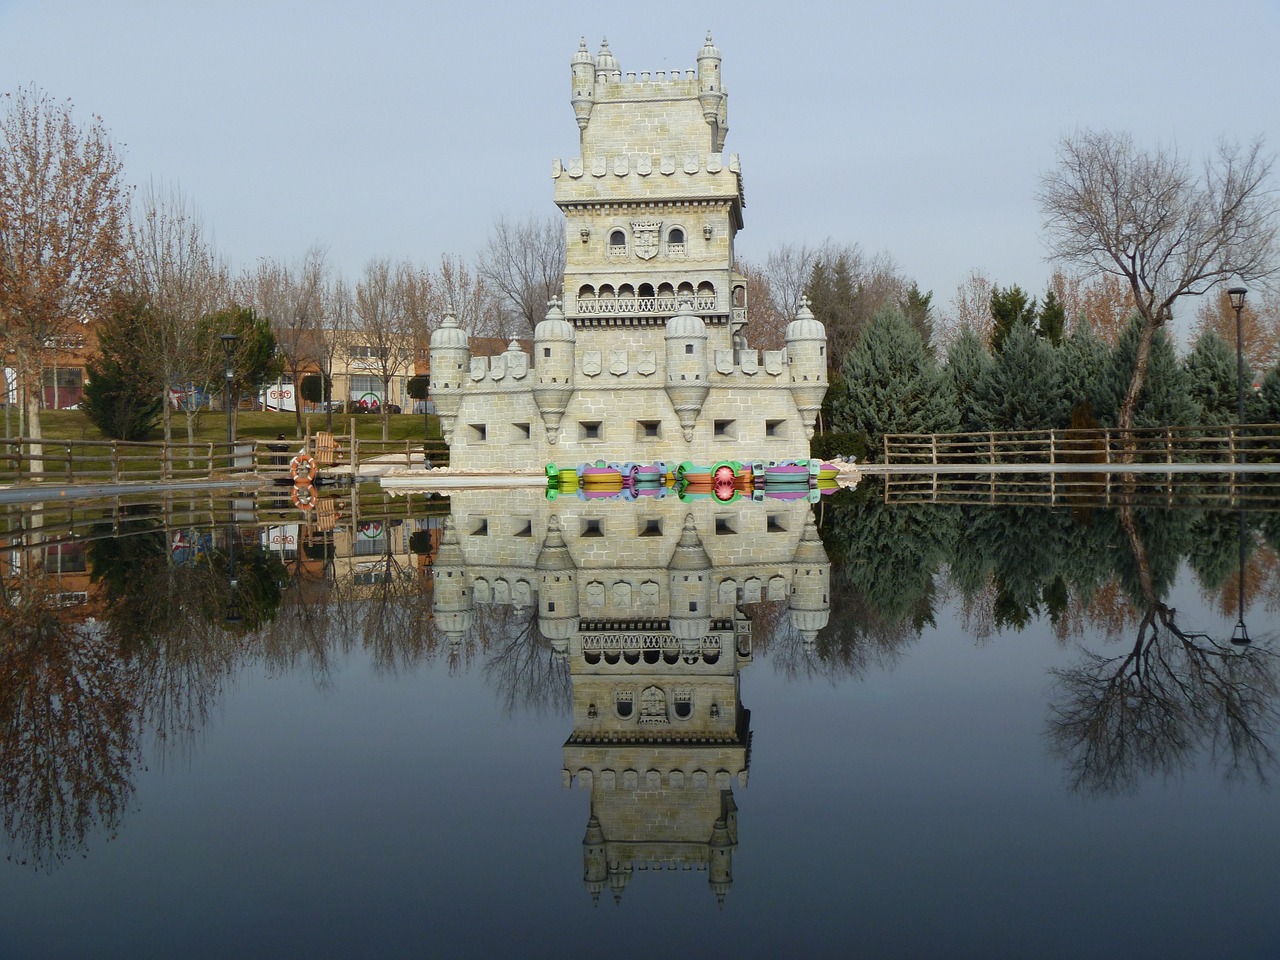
[648, 429]
[481, 529]
[590, 430]
[775, 525]
[546, 351]
[650, 528]
[726, 429]
[524, 531]
[479, 432]
[688, 348]
[592, 528]
[522, 431]
[775, 428]
[724, 527]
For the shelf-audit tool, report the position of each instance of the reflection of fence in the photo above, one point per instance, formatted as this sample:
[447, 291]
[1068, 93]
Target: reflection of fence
[86, 520]
[1105, 489]
[1108, 447]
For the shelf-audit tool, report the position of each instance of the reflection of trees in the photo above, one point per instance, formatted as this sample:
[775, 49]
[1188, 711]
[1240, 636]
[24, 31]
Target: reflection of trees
[520, 662]
[68, 726]
[884, 565]
[1173, 693]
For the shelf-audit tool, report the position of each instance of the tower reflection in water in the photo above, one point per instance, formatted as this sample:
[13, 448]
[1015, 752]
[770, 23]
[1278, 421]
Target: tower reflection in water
[647, 603]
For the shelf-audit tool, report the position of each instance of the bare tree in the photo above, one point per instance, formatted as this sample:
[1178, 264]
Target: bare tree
[1146, 217]
[290, 297]
[178, 275]
[1259, 327]
[384, 344]
[62, 222]
[466, 294]
[524, 263]
[788, 269]
[334, 332]
[767, 321]
[970, 310]
[1103, 301]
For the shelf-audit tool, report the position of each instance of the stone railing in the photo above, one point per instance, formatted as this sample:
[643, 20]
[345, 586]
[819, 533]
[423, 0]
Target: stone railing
[642, 305]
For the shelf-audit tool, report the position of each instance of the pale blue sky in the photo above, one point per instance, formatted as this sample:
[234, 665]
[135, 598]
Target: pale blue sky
[402, 129]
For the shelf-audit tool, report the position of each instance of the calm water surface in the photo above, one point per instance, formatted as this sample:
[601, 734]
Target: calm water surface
[939, 729]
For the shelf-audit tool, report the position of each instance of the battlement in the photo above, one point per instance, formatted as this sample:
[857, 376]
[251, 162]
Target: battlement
[645, 164]
[616, 85]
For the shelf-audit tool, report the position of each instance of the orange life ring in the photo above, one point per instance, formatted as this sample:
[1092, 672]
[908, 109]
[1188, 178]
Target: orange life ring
[303, 496]
[302, 468]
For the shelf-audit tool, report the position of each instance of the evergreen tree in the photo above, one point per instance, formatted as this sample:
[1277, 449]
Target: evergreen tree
[1084, 368]
[121, 397]
[1267, 409]
[1010, 308]
[917, 307]
[1025, 389]
[254, 360]
[968, 366]
[894, 385]
[1051, 324]
[1165, 399]
[1211, 372]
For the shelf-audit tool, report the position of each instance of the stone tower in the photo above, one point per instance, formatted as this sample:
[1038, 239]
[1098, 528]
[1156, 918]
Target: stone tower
[646, 357]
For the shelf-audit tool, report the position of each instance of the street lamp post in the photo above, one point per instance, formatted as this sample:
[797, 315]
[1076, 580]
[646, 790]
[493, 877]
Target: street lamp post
[1237, 296]
[1240, 636]
[228, 347]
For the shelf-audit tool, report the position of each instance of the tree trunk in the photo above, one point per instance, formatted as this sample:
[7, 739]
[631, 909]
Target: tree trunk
[30, 387]
[386, 403]
[1129, 405]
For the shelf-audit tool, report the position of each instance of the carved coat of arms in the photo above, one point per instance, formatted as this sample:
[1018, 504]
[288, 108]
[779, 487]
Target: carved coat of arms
[644, 234]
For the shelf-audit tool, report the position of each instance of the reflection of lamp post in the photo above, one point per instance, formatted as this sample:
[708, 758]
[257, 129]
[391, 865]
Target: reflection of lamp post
[228, 347]
[233, 600]
[1240, 635]
[1236, 296]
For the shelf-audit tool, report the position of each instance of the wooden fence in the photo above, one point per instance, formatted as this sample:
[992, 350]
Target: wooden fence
[1103, 448]
[25, 459]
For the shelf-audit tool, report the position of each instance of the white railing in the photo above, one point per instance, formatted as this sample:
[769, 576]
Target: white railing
[628, 306]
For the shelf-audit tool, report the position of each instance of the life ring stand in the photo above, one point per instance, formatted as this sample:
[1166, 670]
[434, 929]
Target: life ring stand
[302, 468]
[303, 495]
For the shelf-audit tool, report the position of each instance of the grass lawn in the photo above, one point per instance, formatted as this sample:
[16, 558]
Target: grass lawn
[212, 425]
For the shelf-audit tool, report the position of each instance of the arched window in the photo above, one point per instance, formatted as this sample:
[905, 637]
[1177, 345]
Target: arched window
[617, 243]
[676, 235]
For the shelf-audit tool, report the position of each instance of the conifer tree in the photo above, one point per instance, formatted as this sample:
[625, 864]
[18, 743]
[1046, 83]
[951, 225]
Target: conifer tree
[894, 385]
[1267, 409]
[968, 367]
[1211, 374]
[917, 307]
[1051, 323]
[1025, 389]
[1165, 399]
[1010, 307]
[122, 398]
[1084, 368]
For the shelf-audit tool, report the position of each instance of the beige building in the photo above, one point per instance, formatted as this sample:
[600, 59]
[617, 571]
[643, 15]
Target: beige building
[644, 600]
[647, 358]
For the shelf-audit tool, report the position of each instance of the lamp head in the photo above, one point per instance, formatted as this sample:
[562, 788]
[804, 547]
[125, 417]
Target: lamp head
[1236, 296]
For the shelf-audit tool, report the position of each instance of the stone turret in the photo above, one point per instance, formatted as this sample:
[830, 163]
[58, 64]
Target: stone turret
[450, 353]
[595, 862]
[810, 606]
[687, 368]
[689, 580]
[606, 62]
[451, 602]
[720, 869]
[553, 359]
[583, 68]
[807, 359]
[557, 589]
[711, 93]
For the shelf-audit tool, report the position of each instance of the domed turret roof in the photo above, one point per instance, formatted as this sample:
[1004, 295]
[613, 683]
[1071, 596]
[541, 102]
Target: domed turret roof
[709, 49]
[805, 326]
[449, 334]
[554, 328]
[686, 324]
[583, 55]
[605, 60]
